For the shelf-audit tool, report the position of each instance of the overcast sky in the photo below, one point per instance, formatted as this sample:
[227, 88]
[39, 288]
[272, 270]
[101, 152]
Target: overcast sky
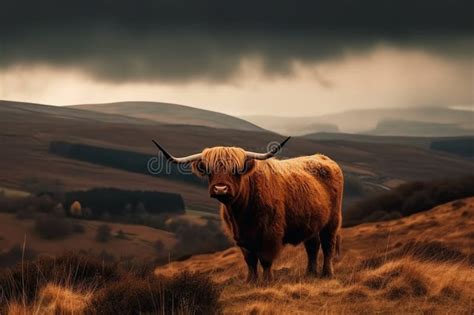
[272, 57]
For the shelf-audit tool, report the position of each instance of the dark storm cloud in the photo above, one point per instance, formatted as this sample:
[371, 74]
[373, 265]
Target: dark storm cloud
[186, 40]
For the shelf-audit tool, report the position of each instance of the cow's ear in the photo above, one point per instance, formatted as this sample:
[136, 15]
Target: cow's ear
[249, 166]
[199, 168]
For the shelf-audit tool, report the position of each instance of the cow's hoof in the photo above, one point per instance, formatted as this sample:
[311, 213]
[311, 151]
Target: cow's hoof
[311, 273]
[267, 277]
[251, 280]
[327, 275]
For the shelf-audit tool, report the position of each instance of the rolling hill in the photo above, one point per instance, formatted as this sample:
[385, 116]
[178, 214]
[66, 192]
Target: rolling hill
[421, 142]
[366, 120]
[166, 113]
[21, 109]
[417, 264]
[139, 240]
[27, 133]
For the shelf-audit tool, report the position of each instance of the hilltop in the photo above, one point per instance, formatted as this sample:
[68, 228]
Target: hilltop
[166, 113]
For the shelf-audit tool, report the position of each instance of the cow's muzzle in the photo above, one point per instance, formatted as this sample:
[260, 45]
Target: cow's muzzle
[220, 190]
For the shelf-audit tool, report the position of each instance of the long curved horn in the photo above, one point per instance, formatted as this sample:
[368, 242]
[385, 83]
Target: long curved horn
[181, 160]
[269, 154]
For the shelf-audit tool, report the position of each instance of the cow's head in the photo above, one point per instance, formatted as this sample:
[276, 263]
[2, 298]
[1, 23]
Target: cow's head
[224, 167]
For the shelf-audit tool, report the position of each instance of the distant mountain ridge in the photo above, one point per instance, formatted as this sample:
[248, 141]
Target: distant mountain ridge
[366, 121]
[401, 127]
[167, 113]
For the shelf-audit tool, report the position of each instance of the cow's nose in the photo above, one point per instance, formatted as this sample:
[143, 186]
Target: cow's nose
[221, 189]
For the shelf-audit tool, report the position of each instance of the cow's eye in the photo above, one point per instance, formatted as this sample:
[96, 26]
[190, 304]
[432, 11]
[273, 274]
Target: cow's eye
[202, 169]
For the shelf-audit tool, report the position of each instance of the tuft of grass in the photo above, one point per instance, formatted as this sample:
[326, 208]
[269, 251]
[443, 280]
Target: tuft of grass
[73, 283]
[187, 293]
[24, 281]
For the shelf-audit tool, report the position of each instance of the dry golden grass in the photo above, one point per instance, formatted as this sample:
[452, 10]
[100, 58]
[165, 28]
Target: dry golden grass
[419, 264]
[54, 299]
[423, 264]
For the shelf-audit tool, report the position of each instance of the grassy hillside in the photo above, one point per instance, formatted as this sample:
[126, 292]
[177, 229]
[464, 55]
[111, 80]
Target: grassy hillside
[363, 120]
[26, 137]
[418, 264]
[166, 113]
[139, 240]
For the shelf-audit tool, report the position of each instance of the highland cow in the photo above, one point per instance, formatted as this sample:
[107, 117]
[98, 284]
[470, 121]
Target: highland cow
[267, 203]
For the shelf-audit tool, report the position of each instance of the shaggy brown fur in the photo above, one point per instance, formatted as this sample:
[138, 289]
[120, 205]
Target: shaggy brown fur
[273, 202]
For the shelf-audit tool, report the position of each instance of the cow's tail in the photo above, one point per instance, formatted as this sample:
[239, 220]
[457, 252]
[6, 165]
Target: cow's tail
[338, 257]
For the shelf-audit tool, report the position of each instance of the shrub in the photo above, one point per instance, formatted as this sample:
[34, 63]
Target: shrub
[185, 294]
[103, 233]
[51, 227]
[193, 293]
[407, 199]
[128, 296]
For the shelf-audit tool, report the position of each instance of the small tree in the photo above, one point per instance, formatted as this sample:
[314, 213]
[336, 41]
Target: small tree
[75, 209]
[103, 233]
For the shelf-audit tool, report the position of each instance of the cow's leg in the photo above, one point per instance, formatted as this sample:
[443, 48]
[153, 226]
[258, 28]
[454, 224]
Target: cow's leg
[267, 269]
[252, 262]
[328, 243]
[312, 249]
